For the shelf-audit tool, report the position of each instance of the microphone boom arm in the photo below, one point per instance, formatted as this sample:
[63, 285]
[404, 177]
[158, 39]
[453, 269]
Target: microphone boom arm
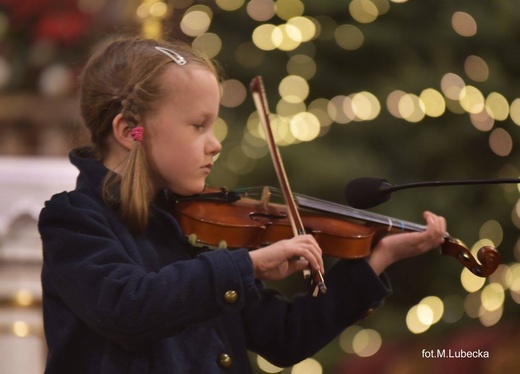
[368, 192]
[392, 187]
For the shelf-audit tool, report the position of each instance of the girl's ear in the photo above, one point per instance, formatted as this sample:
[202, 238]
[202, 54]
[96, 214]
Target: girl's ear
[122, 132]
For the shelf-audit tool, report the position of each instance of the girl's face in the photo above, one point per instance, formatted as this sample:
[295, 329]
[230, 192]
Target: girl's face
[179, 139]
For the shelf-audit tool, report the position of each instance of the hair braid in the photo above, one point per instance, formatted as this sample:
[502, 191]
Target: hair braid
[136, 188]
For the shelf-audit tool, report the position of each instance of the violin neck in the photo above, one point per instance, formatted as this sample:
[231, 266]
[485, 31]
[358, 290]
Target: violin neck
[346, 211]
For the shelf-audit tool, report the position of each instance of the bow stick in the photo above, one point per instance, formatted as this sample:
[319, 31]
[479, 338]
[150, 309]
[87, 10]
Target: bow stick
[260, 99]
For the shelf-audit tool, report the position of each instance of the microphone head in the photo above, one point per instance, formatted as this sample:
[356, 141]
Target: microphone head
[366, 192]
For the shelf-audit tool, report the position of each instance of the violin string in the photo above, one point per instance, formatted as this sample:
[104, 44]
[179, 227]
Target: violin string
[342, 210]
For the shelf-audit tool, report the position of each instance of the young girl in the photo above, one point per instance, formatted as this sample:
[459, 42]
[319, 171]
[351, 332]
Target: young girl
[123, 291]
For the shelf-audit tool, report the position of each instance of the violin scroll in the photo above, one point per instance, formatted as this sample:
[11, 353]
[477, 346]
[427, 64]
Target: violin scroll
[488, 257]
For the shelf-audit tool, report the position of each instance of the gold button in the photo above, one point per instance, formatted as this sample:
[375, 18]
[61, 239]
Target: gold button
[224, 360]
[231, 297]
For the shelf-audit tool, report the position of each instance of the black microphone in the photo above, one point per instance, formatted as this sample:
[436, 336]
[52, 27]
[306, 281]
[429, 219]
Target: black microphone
[368, 192]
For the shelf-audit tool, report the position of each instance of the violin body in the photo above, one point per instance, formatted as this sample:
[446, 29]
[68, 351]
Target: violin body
[237, 220]
[248, 223]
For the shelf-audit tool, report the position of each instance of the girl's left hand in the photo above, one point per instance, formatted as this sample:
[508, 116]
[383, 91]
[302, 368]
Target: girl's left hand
[393, 248]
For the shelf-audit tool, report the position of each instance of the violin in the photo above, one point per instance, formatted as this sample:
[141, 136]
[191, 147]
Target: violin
[237, 219]
[247, 218]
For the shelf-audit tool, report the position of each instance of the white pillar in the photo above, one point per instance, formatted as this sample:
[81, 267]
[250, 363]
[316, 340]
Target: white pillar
[25, 184]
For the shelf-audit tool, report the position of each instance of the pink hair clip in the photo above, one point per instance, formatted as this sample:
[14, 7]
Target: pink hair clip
[137, 133]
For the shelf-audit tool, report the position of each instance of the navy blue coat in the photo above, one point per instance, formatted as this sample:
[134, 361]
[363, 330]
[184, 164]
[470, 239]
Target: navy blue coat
[117, 303]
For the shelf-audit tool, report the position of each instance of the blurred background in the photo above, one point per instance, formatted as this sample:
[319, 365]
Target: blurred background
[404, 90]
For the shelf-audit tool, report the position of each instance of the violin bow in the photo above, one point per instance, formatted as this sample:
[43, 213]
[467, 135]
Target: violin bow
[260, 100]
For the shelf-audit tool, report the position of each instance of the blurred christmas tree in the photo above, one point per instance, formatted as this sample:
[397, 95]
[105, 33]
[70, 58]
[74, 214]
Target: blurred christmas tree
[405, 90]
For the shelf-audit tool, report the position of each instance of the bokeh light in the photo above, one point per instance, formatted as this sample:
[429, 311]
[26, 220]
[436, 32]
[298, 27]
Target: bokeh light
[196, 20]
[514, 111]
[476, 68]
[470, 281]
[491, 231]
[305, 126]
[501, 142]
[349, 37]
[261, 10]
[366, 342]
[305, 26]
[220, 129]
[335, 109]
[229, 5]
[293, 89]
[464, 24]
[492, 297]
[471, 99]
[263, 37]
[363, 11]
[209, 44]
[411, 108]
[287, 9]
[56, 80]
[365, 106]
[434, 103]
[452, 85]
[497, 106]
[309, 365]
[413, 319]
[302, 65]
[21, 329]
[233, 93]
[266, 366]
[360, 341]
[482, 121]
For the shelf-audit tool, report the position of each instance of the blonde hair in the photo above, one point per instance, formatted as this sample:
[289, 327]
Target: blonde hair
[124, 77]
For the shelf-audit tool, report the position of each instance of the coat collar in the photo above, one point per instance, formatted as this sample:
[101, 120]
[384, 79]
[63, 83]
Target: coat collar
[91, 170]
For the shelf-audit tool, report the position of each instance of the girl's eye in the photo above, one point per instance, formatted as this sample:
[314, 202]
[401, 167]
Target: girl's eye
[199, 127]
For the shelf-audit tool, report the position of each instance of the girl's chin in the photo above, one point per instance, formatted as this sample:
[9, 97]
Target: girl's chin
[188, 191]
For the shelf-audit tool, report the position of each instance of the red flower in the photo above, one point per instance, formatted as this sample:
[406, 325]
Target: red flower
[57, 20]
[62, 27]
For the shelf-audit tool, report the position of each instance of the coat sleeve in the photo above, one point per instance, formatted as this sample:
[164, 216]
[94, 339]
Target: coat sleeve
[87, 268]
[287, 331]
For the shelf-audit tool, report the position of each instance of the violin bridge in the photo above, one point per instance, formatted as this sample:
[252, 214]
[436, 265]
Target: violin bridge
[266, 196]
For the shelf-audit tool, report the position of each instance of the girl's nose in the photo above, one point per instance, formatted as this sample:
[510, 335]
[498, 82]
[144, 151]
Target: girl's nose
[214, 146]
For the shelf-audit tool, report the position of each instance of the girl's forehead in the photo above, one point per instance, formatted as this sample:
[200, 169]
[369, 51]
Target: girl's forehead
[190, 89]
[186, 78]
[188, 71]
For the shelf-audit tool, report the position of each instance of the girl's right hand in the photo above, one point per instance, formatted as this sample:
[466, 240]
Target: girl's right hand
[285, 257]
